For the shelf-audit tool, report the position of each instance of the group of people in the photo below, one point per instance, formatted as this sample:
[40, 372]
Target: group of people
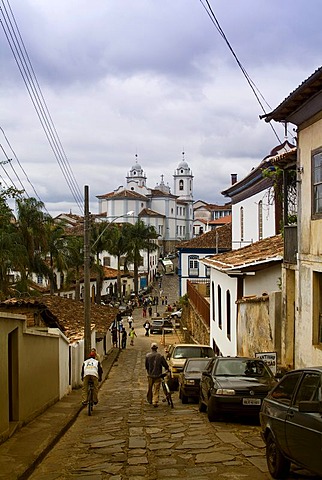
[155, 363]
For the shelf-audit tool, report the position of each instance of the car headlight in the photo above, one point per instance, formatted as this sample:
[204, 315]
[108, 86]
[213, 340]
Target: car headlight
[225, 391]
[189, 382]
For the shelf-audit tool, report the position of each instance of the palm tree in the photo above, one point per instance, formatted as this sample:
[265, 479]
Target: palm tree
[57, 249]
[118, 245]
[140, 237]
[75, 260]
[31, 232]
[100, 238]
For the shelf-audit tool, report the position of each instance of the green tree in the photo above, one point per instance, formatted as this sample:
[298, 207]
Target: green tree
[57, 245]
[32, 237]
[140, 237]
[75, 261]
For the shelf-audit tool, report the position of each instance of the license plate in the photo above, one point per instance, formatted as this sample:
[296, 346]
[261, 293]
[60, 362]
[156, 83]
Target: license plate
[251, 401]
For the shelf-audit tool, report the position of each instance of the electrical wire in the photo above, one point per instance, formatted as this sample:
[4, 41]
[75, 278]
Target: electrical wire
[258, 95]
[22, 59]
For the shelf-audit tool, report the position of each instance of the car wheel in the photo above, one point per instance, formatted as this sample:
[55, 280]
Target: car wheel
[212, 411]
[277, 464]
[184, 398]
[202, 407]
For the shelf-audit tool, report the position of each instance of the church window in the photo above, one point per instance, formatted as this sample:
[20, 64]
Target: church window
[132, 188]
[260, 220]
[181, 171]
[107, 261]
[181, 185]
[172, 210]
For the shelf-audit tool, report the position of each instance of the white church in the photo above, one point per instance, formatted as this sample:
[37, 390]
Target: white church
[171, 214]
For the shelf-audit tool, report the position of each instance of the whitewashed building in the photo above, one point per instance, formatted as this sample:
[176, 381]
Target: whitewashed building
[171, 214]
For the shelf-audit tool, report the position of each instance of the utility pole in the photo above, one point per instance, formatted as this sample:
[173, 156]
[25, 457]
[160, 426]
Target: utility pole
[87, 283]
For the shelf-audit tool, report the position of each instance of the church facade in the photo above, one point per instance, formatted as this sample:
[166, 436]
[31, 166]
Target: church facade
[171, 214]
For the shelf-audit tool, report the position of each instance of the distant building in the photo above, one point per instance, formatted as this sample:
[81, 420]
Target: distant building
[171, 214]
[205, 214]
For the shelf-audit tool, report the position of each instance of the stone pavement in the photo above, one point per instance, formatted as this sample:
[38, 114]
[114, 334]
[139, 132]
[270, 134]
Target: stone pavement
[126, 438]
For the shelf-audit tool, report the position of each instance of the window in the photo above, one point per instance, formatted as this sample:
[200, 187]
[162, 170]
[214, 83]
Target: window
[180, 184]
[207, 271]
[193, 266]
[213, 299]
[260, 220]
[241, 224]
[160, 229]
[107, 261]
[283, 393]
[309, 388]
[228, 313]
[219, 306]
[40, 279]
[317, 184]
[317, 308]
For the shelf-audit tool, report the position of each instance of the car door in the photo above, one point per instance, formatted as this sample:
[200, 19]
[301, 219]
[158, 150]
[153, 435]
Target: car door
[304, 430]
[206, 382]
[278, 403]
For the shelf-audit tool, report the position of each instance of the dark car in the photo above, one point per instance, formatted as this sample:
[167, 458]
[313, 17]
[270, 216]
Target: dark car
[161, 326]
[189, 379]
[234, 385]
[291, 422]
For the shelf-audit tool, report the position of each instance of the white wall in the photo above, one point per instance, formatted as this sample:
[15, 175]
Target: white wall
[267, 280]
[227, 346]
[250, 209]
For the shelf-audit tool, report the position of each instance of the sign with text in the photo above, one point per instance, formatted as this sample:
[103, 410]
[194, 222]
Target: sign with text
[270, 358]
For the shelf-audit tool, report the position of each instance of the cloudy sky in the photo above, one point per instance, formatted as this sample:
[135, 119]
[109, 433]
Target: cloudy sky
[151, 78]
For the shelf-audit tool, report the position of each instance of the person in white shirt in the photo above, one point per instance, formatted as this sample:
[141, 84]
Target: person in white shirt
[91, 369]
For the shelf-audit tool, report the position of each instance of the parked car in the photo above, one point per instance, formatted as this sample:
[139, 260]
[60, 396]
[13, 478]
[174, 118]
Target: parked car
[162, 325]
[189, 379]
[176, 314]
[178, 353]
[125, 310]
[291, 422]
[234, 385]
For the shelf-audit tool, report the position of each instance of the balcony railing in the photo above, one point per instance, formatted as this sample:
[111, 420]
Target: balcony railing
[197, 292]
[290, 243]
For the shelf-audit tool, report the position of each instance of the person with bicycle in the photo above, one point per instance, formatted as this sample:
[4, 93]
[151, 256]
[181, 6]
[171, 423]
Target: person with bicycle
[91, 370]
[154, 363]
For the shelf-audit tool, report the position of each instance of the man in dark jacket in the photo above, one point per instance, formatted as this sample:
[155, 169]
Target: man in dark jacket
[154, 362]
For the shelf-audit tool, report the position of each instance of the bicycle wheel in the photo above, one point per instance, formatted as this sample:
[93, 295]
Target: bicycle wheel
[167, 393]
[90, 401]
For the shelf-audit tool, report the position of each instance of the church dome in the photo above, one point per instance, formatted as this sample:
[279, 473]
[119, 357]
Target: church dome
[183, 164]
[137, 166]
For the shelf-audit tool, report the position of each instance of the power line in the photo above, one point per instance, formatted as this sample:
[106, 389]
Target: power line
[250, 82]
[27, 72]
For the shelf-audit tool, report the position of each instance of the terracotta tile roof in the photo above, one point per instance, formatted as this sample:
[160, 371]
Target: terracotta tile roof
[221, 220]
[64, 313]
[158, 193]
[147, 212]
[123, 194]
[220, 236]
[251, 257]
[304, 92]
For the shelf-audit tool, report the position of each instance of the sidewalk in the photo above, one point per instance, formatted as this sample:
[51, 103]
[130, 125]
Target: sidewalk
[28, 446]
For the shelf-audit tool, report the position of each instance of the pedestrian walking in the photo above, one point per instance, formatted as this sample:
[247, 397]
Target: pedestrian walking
[91, 370]
[114, 335]
[130, 321]
[132, 335]
[147, 327]
[154, 363]
[150, 311]
[124, 338]
[144, 311]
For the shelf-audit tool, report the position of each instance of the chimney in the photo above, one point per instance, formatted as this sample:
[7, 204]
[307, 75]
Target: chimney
[233, 178]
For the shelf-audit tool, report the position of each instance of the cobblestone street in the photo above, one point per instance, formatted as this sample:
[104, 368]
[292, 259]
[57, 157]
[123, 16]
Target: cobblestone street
[126, 438]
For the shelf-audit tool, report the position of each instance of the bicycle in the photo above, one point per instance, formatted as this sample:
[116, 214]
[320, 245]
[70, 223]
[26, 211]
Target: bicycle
[166, 390]
[90, 396]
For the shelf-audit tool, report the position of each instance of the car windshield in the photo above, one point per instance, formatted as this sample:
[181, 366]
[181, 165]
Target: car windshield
[193, 352]
[246, 368]
[197, 365]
